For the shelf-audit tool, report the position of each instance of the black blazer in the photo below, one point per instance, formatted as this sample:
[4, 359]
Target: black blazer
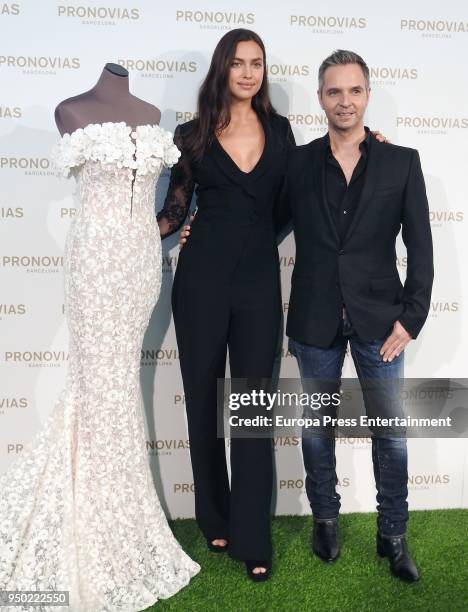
[232, 236]
[362, 271]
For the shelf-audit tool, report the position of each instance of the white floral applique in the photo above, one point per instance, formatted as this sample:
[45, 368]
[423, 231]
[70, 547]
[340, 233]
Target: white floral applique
[115, 145]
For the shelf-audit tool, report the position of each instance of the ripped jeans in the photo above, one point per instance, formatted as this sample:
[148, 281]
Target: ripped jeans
[389, 455]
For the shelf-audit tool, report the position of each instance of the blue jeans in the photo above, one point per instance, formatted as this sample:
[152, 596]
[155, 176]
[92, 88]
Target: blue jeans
[389, 454]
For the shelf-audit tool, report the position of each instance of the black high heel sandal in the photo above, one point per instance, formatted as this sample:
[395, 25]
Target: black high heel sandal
[216, 547]
[261, 576]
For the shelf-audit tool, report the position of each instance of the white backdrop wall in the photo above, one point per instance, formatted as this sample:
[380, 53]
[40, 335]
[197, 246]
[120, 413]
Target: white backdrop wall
[50, 51]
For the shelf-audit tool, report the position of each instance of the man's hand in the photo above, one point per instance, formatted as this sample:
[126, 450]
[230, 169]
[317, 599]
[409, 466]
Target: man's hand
[380, 137]
[184, 234]
[395, 343]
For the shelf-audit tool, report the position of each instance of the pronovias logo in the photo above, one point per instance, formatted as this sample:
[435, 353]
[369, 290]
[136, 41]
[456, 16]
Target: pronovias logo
[286, 261]
[39, 64]
[432, 125]
[443, 308]
[388, 75]
[215, 20]
[11, 112]
[183, 116]
[355, 443]
[14, 448]
[426, 481]
[286, 442]
[158, 356]
[300, 484]
[434, 28]
[183, 487]
[439, 218]
[33, 263]
[98, 15]
[67, 213]
[32, 166]
[281, 72]
[37, 359]
[166, 447]
[328, 24]
[10, 212]
[11, 310]
[313, 122]
[402, 262]
[159, 68]
[12, 403]
[9, 9]
[169, 263]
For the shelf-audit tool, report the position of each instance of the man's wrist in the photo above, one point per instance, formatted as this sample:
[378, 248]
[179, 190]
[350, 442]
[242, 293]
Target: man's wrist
[405, 328]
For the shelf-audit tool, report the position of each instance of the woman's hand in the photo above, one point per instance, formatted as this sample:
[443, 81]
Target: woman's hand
[380, 137]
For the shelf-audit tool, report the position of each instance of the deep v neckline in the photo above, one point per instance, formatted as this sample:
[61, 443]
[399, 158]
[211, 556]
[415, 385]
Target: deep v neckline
[257, 163]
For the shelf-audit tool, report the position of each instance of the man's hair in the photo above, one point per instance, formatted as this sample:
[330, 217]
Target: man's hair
[343, 58]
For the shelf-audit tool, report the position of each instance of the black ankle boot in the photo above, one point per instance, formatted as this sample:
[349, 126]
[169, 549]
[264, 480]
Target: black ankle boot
[396, 550]
[325, 540]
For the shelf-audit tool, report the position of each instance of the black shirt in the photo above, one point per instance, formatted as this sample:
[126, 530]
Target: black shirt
[342, 198]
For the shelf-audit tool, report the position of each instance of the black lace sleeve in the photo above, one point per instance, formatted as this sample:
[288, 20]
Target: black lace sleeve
[179, 194]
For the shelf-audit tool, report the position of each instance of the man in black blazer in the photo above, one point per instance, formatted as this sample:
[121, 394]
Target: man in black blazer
[349, 195]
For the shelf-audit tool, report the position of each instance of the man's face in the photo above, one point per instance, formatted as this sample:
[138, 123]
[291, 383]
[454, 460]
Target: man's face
[344, 96]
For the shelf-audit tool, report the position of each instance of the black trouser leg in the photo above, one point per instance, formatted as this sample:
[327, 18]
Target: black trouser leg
[252, 341]
[202, 338]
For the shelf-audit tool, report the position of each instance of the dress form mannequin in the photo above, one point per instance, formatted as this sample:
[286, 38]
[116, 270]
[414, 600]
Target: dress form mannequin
[108, 101]
[74, 517]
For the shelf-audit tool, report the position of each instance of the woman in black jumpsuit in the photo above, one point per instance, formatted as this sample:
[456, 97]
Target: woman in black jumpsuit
[226, 296]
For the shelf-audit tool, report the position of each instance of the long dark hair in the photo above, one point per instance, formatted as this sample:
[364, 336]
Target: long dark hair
[214, 99]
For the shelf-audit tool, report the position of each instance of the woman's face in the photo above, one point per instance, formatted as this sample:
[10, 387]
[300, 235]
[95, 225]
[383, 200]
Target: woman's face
[247, 70]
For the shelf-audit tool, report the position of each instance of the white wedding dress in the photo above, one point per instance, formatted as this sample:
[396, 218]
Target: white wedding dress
[78, 510]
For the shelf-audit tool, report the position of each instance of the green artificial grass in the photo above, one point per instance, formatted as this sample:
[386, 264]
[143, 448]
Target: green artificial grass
[359, 581]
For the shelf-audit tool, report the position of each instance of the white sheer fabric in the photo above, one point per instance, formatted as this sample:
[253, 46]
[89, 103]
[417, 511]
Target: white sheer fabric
[78, 510]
